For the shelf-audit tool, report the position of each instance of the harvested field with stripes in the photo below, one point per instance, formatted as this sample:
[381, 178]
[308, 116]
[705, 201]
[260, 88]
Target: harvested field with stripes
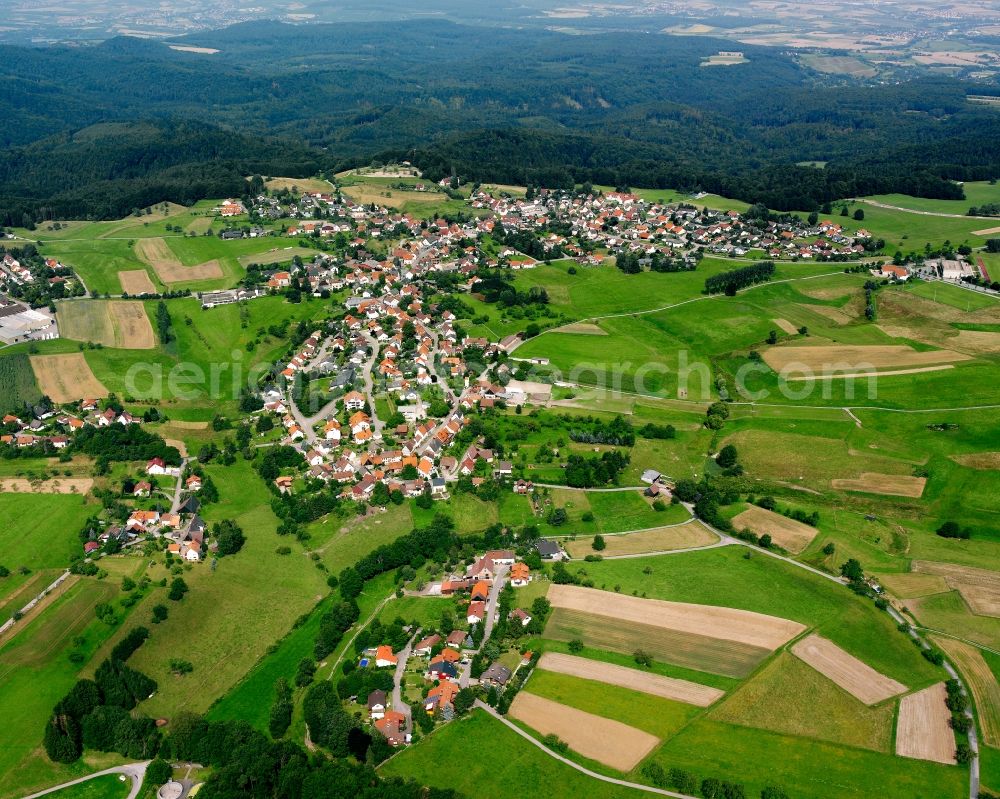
[663, 539]
[634, 679]
[893, 485]
[857, 678]
[136, 281]
[66, 378]
[689, 650]
[821, 359]
[980, 588]
[923, 730]
[741, 626]
[609, 742]
[982, 683]
[122, 324]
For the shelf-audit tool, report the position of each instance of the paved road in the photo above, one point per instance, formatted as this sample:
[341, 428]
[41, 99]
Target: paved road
[491, 611]
[366, 375]
[135, 771]
[398, 704]
[576, 766]
[175, 504]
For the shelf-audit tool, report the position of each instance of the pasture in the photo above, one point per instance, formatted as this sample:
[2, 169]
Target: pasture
[298, 185]
[113, 323]
[110, 786]
[249, 601]
[805, 768]
[66, 378]
[39, 533]
[786, 696]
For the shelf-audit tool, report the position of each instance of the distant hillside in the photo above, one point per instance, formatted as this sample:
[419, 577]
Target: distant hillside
[502, 104]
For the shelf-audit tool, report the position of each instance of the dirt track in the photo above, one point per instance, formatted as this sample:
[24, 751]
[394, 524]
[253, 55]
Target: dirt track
[923, 731]
[655, 684]
[609, 742]
[857, 678]
[742, 626]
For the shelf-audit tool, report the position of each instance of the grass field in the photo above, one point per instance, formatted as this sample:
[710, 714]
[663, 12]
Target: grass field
[807, 769]
[110, 786]
[35, 672]
[232, 614]
[788, 697]
[512, 766]
[660, 717]
[39, 533]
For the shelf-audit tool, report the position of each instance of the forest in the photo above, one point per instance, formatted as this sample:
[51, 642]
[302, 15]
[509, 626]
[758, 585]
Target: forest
[96, 131]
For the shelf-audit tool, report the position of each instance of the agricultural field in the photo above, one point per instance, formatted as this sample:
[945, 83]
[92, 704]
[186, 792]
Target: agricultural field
[111, 323]
[66, 378]
[513, 764]
[686, 535]
[37, 538]
[17, 382]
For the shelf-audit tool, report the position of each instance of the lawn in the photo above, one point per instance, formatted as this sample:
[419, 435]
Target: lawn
[511, 767]
[39, 533]
[425, 611]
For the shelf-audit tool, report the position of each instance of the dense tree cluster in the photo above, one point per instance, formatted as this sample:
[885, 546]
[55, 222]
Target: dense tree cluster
[732, 281]
[118, 442]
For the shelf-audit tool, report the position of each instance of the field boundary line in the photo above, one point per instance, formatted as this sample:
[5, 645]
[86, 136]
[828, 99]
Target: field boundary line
[583, 770]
